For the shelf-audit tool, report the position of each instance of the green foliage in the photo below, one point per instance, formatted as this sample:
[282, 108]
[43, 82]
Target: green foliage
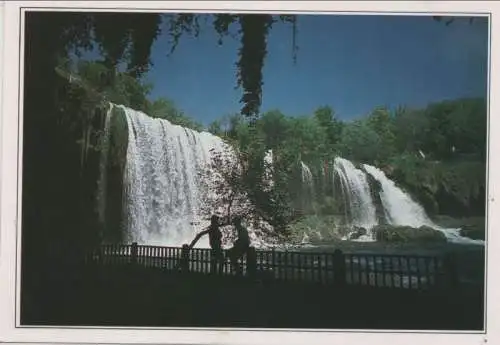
[111, 85]
[241, 179]
[164, 108]
[274, 125]
[411, 129]
[360, 142]
[306, 139]
[215, 128]
[331, 125]
[381, 121]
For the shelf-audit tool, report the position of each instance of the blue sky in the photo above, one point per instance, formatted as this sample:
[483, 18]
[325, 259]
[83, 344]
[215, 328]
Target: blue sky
[350, 62]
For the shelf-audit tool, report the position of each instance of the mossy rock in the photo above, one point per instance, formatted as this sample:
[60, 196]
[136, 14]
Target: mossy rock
[407, 234]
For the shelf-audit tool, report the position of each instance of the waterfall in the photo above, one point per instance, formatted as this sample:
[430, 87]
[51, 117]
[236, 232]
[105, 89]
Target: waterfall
[307, 177]
[164, 193]
[401, 209]
[356, 193]
[304, 199]
[267, 179]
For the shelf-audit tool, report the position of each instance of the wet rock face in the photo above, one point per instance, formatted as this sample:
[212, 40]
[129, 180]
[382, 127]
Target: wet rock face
[357, 233]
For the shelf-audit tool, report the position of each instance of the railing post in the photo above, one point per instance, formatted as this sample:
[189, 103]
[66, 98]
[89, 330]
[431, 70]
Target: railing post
[339, 268]
[133, 253]
[451, 270]
[101, 252]
[273, 259]
[185, 258]
[251, 262]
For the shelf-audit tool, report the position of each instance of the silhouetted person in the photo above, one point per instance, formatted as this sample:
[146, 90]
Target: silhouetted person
[215, 240]
[241, 245]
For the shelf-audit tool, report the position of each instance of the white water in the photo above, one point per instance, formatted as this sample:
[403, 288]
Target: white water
[164, 194]
[356, 192]
[306, 174]
[267, 180]
[402, 210]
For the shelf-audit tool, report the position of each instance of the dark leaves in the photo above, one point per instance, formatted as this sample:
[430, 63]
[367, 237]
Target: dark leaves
[112, 33]
[145, 28]
[253, 50]
[179, 24]
[222, 22]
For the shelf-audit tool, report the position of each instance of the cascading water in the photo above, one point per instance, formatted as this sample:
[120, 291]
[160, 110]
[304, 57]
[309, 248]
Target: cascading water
[356, 193]
[401, 209]
[163, 190]
[307, 193]
[267, 179]
[306, 174]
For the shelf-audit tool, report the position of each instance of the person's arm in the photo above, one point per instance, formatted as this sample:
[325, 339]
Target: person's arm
[196, 239]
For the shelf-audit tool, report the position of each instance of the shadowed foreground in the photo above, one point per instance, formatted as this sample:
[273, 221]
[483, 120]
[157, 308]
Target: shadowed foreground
[137, 296]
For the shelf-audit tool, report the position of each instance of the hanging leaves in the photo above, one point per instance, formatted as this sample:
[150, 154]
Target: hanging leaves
[253, 32]
[145, 29]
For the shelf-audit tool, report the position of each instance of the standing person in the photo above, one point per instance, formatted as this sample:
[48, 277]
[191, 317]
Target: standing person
[215, 240]
[241, 245]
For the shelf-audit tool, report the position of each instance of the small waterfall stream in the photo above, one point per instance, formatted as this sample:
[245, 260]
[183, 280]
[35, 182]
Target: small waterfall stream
[356, 193]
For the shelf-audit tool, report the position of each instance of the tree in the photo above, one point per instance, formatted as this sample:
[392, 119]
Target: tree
[274, 126]
[166, 109]
[215, 128]
[111, 85]
[382, 123]
[307, 139]
[237, 176]
[333, 127]
[359, 142]
[410, 126]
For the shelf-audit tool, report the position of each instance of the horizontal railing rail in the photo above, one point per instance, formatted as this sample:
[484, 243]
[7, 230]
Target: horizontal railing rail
[337, 268]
